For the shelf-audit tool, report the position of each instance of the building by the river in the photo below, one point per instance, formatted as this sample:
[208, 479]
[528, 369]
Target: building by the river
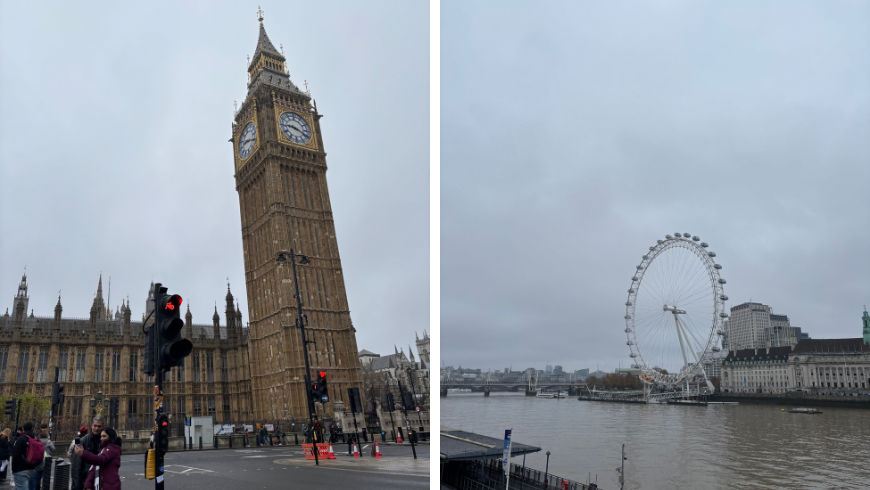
[812, 365]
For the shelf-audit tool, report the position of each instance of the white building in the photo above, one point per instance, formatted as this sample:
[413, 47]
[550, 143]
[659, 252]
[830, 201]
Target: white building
[814, 366]
[746, 326]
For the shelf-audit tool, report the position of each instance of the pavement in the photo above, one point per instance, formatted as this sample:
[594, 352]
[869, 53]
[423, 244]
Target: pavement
[274, 467]
[283, 467]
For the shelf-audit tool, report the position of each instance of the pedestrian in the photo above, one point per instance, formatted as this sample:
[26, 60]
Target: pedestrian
[103, 474]
[39, 471]
[247, 442]
[263, 434]
[15, 436]
[83, 431]
[22, 471]
[5, 453]
[91, 443]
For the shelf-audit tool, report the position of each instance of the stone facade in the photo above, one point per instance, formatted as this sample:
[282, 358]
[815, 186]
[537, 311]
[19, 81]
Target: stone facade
[821, 366]
[105, 353]
[280, 174]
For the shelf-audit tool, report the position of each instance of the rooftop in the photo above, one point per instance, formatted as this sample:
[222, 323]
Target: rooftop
[459, 445]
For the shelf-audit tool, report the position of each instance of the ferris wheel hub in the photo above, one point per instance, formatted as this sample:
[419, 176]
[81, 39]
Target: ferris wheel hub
[674, 310]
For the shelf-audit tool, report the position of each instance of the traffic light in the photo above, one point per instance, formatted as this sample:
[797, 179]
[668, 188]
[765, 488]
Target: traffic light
[10, 409]
[171, 348]
[354, 400]
[113, 410]
[162, 442]
[57, 394]
[391, 402]
[408, 400]
[320, 391]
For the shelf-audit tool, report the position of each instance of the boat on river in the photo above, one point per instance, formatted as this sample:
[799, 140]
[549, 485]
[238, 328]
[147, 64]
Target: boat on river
[698, 403]
[809, 411]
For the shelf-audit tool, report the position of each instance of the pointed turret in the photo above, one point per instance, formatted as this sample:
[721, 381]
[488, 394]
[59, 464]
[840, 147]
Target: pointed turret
[21, 301]
[58, 309]
[216, 318]
[188, 323]
[98, 309]
[268, 66]
[411, 352]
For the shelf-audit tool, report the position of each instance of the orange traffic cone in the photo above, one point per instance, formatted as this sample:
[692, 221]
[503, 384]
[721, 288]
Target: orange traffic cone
[355, 452]
[377, 450]
[331, 454]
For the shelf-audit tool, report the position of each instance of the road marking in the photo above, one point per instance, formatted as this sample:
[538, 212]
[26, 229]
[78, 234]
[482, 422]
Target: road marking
[188, 469]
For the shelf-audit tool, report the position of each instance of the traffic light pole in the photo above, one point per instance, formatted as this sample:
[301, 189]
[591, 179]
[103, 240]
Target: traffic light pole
[301, 322]
[414, 391]
[158, 393]
[407, 422]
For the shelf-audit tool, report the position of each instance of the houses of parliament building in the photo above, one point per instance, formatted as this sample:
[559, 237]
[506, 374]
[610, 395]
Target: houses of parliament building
[104, 352]
[234, 373]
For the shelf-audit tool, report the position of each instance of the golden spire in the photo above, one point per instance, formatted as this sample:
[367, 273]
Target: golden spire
[306, 85]
[259, 14]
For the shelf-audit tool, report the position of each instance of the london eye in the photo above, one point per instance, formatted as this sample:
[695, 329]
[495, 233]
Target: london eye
[675, 310]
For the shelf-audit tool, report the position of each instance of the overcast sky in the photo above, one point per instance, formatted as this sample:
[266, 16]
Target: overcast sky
[114, 121]
[574, 135]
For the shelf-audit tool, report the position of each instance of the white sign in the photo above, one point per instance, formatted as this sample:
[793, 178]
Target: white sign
[249, 428]
[270, 427]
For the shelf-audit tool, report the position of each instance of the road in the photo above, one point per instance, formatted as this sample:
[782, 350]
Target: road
[283, 467]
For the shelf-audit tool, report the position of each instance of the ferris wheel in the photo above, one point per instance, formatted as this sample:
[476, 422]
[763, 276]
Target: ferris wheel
[675, 310]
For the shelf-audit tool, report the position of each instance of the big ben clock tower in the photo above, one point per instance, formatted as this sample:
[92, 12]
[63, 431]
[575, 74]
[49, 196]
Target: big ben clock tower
[280, 171]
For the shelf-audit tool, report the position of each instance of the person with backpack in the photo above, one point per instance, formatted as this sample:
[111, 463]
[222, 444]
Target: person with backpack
[39, 471]
[105, 465]
[26, 454]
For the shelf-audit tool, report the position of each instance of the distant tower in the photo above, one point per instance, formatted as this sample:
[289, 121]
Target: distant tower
[423, 350]
[866, 320]
[21, 301]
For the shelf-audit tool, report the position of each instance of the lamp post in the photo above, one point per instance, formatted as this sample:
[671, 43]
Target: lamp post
[300, 323]
[547, 470]
[99, 402]
[414, 391]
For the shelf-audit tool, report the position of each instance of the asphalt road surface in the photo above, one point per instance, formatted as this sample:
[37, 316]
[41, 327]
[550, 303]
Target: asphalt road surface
[283, 467]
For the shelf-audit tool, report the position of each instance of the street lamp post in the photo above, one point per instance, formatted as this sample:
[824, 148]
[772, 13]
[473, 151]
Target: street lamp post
[414, 391]
[99, 402]
[547, 470]
[300, 323]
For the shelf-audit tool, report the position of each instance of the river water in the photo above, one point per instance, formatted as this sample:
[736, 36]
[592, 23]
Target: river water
[674, 447]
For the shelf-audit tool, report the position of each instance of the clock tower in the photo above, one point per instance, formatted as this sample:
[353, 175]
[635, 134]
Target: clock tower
[280, 172]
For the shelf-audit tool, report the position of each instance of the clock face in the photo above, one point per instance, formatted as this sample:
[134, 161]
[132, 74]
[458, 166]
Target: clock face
[247, 140]
[295, 128]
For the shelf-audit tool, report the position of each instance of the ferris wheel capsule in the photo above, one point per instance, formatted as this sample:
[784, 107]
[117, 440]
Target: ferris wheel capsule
[678, 235]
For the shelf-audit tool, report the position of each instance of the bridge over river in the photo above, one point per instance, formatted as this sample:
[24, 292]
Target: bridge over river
[531, 388]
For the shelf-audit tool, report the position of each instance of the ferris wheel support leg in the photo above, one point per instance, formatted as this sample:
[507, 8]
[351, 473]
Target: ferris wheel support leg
[682, 344]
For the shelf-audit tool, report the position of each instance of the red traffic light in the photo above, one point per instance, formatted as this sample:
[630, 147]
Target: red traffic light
[172, 304]
[322, 374]
[165, 423]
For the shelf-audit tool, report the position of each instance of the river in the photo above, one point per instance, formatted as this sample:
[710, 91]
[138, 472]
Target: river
[674, 447]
